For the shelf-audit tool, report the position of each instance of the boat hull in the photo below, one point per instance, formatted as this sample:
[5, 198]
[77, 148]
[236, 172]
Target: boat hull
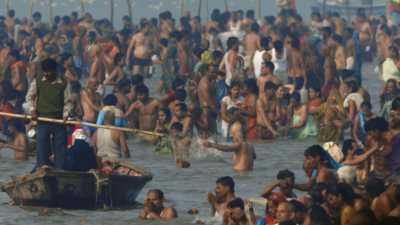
[75, 190]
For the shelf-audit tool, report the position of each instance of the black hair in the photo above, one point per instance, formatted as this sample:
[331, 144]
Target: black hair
[182, 106]
[295, 43]
[314, 151]
[298, 206]
[316, 193]
[158, 192]
[285, 174]
[251, 85]
[378, 124]
[227, 181]
[250, 14]
[366, 104]
[396, 104]
[180, 95]
[232, 42]
[164, 42]
[65, 56]
[49, 65]
[347, 146]
[255, 27]
[11, 13]
[295, 96]
[353, 85]
[236, 203]
[75, 87]
[318, 215]
[123, 83]
[397, 195]
[17, 124]
[347, 192]
[337, 38]
[142, 89]
[374, 187]
[265, 42]
[177, 126]
[235, 83]
[119, 57]
[110, 100]
[278, 45]
[166, 111]
[136, 79]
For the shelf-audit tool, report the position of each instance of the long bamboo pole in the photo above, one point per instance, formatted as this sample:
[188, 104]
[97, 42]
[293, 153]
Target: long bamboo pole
[112, 12]
[69, 122]
[183, 8]
[258, 9]
[207, 10]
[200, 7]
[226, 5]
[82, 7]
[130, 13]
[8, 6]
[50, 11]
[30, 8]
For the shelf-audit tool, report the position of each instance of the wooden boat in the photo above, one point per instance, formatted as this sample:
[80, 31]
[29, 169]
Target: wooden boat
[376, 8]
[78, 190]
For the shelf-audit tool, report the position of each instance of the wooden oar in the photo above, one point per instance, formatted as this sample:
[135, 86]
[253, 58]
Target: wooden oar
[69, 122]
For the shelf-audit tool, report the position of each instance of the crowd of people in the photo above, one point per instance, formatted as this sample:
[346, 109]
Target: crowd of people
[232, 76]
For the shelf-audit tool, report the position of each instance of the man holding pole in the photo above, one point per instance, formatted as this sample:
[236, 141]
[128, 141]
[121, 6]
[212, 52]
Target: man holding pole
[49, 97]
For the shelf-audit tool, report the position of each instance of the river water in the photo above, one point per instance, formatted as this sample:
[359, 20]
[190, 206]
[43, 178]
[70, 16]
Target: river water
[184, 188]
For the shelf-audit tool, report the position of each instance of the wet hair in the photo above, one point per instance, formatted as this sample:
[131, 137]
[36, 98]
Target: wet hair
[269, 65]
[285, 174]
[347, 192]
[347, 146]
[227, 181]
[318, 215]
[396, 104]
[232, 42]
[235, 83]
[337, 38]
[251, 85]
[316, 193]
[164, 42]
[353, 85]
[118, 58]
[250, 14]
[265, 42]
[295, 43]
[314, 151]
[366, 104]
[378, 124]
[158, 192]
[123, 83]
[110, 100]
[49, 65]
[66, 20]
[136, 79]
[176, 83]
[177, 126]
[236, 203]
[255, 27]
[64, 57]
[298, 206]
[17, 124]
[278, 45]
[180, 95]
[37, 15]
[269, 85]
[11, 13]
[167, 112]
[374, 187]
[217, 56]
[142, 89]
[296, 96]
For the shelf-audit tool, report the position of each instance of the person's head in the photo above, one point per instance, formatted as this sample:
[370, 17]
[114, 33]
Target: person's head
[255, 28]
[224, 186]
[37, 16]
[286, 181]
[376, 127]
[236, 209]
[49, 68]
[295, 43]
[181, 110]
[392, 184]
[334, 198]
[136, 79]
[110, 100]
[142, 92]
[393, 52]
[300, 211]
[285, 212]
[250, 86]
[274, 199]
[92, 84]
[295, 99]
[313, 93]
[366, 107]
[279, 46]
[269, 89]
[155, 198]
[178, 84]
[180, 95]
[265, 42]
[396, 104]
[164, 115]
[109, 118]
[176, 129]
[75, 87]
[66, 59]
[124, 86]
[11, 13]
[318, 193]
[233, 43]
[391, 85]
[314, 155]
[351, 86]
[374, 187]
[119, 60]
[317, 216]
[267, 67]
[349, 147]
[234, 89]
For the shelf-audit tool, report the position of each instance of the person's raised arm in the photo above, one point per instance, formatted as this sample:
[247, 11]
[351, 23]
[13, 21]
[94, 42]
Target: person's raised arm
[269, 188]
[224, 148]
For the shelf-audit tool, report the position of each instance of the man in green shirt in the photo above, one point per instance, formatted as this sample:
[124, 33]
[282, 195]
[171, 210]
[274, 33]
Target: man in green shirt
[49, 97]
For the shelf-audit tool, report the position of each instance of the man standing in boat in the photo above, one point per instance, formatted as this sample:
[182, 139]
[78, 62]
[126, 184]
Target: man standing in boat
[49, 97]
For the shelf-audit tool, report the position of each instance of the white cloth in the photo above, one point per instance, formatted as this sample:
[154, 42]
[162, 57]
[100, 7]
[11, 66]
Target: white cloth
[389, 70]
[228, 66]
[279, 63]
[227, 100]
[106, 147]
[356, 97]
[257, 62]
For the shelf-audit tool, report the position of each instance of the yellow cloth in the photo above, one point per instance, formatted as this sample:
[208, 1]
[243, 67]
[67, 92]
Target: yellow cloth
[345, 215]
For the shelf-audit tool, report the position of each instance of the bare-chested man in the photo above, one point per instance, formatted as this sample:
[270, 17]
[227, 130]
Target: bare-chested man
[147, 108]
[296, 69]
[383, 42]
[154, 208]
[19, 143]
[181, 115]
[140, 46]
[98, 68]
[181, 145]
[224, 193]
[207, 90]
[267, 112]
[251, 43]
[385, 203]
[90, 101]
[340, 53]
[244, 154]
[267, 69]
